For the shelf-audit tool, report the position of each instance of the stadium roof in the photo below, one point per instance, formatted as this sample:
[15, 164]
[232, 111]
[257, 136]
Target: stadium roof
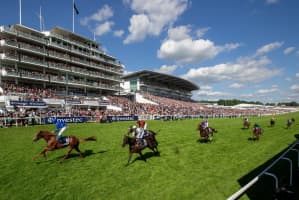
[164, 79]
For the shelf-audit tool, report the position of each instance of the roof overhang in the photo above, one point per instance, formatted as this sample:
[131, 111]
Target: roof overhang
[163, 78]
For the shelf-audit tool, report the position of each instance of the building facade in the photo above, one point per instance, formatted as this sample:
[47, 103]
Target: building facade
[57, 59]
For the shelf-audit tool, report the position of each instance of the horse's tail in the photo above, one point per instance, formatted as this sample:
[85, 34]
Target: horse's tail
[92, 138]
[214, 130]
[154, 133]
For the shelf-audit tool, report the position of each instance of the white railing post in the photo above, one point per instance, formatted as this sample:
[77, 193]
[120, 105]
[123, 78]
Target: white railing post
[276, 180]
[291, 169]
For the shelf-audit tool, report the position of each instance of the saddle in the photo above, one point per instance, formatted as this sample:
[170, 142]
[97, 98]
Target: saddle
[141, 142]
[64, 141]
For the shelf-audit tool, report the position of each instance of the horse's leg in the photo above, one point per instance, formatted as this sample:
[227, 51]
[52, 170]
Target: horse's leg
[42, 152]
[141, 156]
[130, 156]
[78, 150]
[68, 153]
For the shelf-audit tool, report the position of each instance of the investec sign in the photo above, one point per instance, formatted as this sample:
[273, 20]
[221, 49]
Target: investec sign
[122, 118]
[49, 120]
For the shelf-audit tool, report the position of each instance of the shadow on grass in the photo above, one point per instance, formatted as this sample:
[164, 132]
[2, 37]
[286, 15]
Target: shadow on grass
[146, 156]
[85, 154]
[252, 139]
[264, 189]
[200, 140]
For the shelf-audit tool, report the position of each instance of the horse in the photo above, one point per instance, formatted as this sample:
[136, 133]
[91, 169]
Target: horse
[272, 122]
[131, 131]
[256, 133]
[151, 143]
[246, 124]
[289, 123]
[204, 134]
[53, 144]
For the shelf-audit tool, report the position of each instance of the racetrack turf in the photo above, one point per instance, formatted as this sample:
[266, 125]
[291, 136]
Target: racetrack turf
[185, 169]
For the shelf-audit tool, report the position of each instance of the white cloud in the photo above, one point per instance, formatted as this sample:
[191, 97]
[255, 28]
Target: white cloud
[180, 47]
[99, 20]
[118, 33]
[206, 87]
[268, 47]
[244, 70]
[236, 85]
[202, 31]
[211, 93]
[152, 16]
[266, 91]
[103, 28]
[297, 75]
[289, 50]
[167, 69]
[101, 15]
[295, 87]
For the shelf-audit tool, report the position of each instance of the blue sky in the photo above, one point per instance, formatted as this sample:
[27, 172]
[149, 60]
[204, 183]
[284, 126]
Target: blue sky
[245, 49]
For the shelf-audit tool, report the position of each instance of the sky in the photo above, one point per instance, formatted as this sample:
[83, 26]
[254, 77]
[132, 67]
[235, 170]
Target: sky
[232, 49]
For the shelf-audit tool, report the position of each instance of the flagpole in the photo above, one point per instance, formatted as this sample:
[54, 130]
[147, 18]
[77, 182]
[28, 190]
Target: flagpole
[40, 18]
[73, 15]
[20, 11]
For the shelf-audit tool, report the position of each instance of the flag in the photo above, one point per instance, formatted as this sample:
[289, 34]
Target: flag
[76, 9]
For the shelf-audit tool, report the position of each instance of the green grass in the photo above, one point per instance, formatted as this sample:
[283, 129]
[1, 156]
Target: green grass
[186, 169]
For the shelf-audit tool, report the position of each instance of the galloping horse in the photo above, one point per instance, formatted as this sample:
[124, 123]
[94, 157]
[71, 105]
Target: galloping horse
[131, 131]
[246, 124]
[289, 123]
[272, 122]
[204, 134]
[151, 143]
[256, 133]
[53, 144]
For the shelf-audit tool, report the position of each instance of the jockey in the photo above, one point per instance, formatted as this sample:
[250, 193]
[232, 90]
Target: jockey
[142, 124]
[246, 119]
[139, 133]
[205, 125]
[60, 127]
[256, 127]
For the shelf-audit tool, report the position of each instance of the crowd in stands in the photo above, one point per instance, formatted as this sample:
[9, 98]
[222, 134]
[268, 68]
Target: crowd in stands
[163, 107]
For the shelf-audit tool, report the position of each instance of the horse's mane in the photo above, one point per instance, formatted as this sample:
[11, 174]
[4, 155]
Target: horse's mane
[43, 132]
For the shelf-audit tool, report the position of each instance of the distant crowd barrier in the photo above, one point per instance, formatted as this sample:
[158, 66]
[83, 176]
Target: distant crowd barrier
[34, 120]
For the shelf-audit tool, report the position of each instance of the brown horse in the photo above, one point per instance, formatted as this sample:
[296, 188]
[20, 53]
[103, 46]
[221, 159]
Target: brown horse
[204, 134]
[246, 124]
[256, 133]
[53, 144]
[151, 143]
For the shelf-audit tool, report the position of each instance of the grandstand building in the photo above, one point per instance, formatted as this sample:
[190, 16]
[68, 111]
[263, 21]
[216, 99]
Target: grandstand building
[159, 84]
[57, 59]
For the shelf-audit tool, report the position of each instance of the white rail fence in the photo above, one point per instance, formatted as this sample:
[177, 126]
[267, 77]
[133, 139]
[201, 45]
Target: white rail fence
[241, 191]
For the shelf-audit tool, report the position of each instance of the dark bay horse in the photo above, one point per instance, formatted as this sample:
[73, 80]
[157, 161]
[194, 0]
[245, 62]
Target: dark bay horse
[272, 122]
[204, 134]
[289, 123]
[151, 143]
[256, 133]
[53, 144]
